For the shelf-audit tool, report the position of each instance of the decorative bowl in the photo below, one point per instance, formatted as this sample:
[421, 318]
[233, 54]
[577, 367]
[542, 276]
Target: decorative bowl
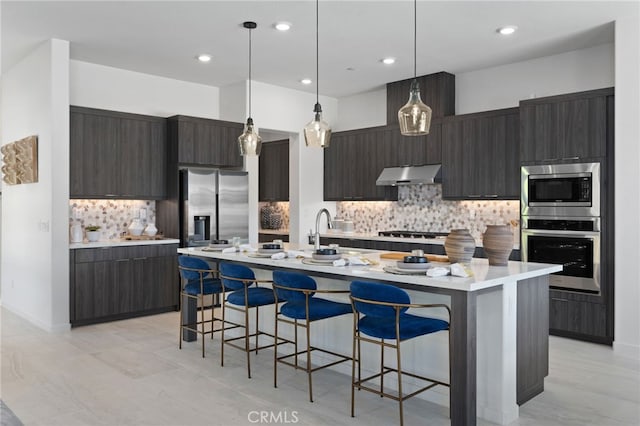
[317, 256]
[413, 266]
[271, 246]
[326, 251]
[414, 259]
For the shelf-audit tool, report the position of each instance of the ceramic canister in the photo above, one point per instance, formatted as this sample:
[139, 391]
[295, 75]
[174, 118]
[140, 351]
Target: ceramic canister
[460, 246]
[498, 243]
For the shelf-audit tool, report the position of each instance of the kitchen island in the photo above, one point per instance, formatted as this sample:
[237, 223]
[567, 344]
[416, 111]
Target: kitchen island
[499, 320]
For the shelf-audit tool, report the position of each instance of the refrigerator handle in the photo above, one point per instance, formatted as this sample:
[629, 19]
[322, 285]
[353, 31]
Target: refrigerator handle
[217, 216]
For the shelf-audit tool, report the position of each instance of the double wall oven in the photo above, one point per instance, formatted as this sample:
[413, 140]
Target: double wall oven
[560, 209]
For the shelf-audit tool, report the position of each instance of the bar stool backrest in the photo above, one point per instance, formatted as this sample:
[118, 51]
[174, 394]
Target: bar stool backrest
[377, 292]
[293, 280]
[192, 263]
[240, 272]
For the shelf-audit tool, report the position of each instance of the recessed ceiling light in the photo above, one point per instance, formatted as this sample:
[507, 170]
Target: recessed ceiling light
[508, 30]
[282, 26]
[305, 81]
[388, 61]
[204, 57]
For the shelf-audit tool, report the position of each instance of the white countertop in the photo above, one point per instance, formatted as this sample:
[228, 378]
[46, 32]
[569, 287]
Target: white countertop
[484, 276]
[118, 243]
[376, 237]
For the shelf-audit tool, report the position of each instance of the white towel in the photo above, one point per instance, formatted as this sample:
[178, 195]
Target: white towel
[229, 250]
[357, 260]
[248, 248]
[339, 262]
[298, 253]
[279, 256]
[438, 271]
[459, 270]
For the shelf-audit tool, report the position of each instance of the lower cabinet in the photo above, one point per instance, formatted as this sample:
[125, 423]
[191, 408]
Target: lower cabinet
[112, 283]
[580, 319]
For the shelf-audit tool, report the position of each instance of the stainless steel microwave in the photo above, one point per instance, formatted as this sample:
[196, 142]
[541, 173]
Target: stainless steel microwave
[561, 190]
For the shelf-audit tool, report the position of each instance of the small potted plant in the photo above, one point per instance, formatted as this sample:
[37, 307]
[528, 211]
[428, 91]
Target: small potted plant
[93, 233]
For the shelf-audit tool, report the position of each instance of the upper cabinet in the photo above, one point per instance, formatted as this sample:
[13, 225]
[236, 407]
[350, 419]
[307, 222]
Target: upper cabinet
[116, 155]
[436, 90]
[205, 142]
[355, 159]
[566, 127]
[274, 171]
[480, 155]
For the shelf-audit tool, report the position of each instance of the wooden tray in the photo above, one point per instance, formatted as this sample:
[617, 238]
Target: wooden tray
[400, 256]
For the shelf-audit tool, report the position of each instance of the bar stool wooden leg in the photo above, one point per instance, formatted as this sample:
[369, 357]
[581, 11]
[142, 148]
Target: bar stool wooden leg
[309, 360]
[353, 365]
[246, 340]
[381, 367]
[222, 336]
[399, 361]
[275, 350]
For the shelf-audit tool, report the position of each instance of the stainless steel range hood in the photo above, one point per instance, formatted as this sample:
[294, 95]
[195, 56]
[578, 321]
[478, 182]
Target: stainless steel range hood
[409, 175]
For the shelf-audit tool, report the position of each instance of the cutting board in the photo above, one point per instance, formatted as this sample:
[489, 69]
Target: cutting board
[400, 256]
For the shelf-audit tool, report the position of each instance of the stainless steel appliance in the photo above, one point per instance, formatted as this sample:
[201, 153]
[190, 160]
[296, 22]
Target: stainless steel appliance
[561, 190]
[214, 206]
[560, 222]
[572, 242]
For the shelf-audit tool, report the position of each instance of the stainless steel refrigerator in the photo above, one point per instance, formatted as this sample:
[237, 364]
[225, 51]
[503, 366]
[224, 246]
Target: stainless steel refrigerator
[215, 206]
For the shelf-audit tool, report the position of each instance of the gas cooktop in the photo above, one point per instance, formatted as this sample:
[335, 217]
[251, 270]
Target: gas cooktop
[412, 234]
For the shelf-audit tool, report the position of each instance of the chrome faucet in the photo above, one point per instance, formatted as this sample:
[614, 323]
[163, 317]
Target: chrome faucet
[329, 225]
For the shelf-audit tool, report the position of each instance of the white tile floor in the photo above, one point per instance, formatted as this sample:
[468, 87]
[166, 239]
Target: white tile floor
[132, 373]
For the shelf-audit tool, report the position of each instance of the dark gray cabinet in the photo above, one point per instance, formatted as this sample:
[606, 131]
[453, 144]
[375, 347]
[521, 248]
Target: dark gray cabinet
[355, 159]
[274, 171]
[565, 127]
[205, 142]
[121, 282]
[480, 155]
[116, 155]
[437, 90]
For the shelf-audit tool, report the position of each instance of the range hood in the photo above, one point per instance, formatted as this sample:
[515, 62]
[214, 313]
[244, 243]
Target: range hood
[409, 175]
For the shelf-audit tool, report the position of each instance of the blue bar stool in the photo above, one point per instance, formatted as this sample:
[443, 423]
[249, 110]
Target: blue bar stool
[300, 309]
[198, 280]
[239, 281]
[380, 311]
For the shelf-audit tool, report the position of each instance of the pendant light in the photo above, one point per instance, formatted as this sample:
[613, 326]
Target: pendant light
[317, 132]
[414, 117]
[249, 141]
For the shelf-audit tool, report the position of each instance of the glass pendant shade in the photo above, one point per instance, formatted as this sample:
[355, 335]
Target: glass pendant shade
[249, 141]
[317, 132]
[414, 117]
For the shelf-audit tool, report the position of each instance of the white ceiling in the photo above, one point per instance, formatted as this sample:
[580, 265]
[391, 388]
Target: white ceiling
[163, 37]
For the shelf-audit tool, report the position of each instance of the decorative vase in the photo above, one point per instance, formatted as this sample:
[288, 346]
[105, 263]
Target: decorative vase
[498, 243]
[136, 227]
[265, 216]
[76, 233]
[151, 230]
[93, 236]
[460, 246]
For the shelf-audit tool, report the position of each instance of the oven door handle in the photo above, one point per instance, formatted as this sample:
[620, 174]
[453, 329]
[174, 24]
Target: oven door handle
[560, 233]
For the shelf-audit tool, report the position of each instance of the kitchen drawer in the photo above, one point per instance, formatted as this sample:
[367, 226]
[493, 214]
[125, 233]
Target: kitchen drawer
[124, 252]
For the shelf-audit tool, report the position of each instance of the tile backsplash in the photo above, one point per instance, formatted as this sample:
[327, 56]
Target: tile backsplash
[113, 216]
[421, 208]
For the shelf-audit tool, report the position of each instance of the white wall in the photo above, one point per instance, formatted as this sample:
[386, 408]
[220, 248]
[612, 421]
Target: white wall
[362, 110]
[288, 110]
[627, 177]
[506, 85]
[98, 86]
[35, 261]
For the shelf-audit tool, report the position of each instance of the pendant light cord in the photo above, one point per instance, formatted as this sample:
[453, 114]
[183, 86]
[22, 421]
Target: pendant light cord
[317, 58]
[249, 72]
[415, 36]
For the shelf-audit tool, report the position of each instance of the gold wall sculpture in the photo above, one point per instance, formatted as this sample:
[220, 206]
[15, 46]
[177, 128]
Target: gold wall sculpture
[20, 160]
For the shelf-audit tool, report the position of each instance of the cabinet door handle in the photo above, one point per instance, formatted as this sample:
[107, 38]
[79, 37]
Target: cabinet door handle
[474, 195]
[105, 248]
[571, 158]
[492, 196]
[550, 159]
[139, 258]
[559, 300]
[122, 260]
